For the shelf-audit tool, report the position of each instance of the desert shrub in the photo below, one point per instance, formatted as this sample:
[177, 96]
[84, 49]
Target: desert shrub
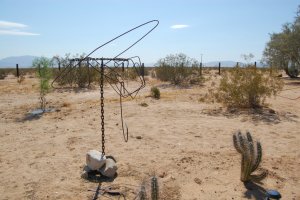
[21, 79]
[131, 73]
[153, 74]
[78, 74]
[196, 80]
[6, 71]
[247, 87]
[2, 74]
[175, 68]
[83, 76]
[155, 92]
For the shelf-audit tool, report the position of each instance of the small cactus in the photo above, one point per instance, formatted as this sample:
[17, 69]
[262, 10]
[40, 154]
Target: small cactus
[154, 188]
[142, 195]
[251, 157]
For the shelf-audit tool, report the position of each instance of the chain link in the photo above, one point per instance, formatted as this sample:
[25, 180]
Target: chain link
[102, 106]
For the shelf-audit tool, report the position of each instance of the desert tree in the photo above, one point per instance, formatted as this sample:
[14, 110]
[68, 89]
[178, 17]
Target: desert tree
[283, 49]
[44, 74]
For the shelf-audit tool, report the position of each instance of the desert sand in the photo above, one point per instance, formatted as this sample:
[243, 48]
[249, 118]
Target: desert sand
[185, 142]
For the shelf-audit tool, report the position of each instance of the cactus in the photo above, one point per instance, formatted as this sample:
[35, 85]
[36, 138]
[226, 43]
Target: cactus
[142, 195]
[251, 157]
[154, 188]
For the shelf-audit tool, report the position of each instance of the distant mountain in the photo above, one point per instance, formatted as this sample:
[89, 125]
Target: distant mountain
[226, 63]
[23, 61]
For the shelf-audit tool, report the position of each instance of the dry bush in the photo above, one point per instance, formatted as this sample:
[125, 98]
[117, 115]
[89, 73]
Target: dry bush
[2, 74]
[176, 75]
[155, 93]
[21, 79]
[247, 87]
[6, 71]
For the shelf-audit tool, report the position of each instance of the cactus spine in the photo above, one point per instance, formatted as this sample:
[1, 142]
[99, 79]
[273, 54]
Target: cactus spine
[154, 188]
[251, 156]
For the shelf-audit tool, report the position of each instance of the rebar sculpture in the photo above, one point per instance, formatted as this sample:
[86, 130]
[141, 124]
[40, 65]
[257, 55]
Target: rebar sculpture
[111, 70]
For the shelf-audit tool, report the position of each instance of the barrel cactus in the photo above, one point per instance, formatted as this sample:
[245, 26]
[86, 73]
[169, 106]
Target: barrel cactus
[154, 188]
[251, 157]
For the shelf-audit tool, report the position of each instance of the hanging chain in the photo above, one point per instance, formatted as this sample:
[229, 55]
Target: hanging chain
[102, 106]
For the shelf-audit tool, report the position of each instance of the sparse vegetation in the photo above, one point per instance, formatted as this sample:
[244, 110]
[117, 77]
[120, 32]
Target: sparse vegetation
[44, 74]
[144, 104]
[247, 87]
[2, 74]
[251, 157]
[21, 78]
[81, 76]
[6, 71]
[155, 93]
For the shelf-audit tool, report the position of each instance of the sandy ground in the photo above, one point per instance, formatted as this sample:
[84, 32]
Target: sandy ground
[186, 143]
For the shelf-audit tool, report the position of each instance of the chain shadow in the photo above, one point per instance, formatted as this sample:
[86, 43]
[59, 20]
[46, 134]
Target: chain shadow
[254, 191]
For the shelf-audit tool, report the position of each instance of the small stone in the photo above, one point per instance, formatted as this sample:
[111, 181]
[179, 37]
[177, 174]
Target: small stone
[198, 181]
[110, 168]
[272, 111]
[162, 174]
[138, 137]
[95, 160]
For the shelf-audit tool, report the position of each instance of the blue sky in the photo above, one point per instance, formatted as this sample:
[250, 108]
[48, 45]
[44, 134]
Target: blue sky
[217, 29]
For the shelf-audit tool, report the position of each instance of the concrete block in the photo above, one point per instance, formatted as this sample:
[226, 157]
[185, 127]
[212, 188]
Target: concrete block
[95, 160]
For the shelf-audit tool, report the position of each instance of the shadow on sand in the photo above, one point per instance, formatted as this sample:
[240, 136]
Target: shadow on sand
[108, 191]
[35, 114]
[254, 191]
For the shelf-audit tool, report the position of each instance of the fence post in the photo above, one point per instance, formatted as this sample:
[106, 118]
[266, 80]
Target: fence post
[237, 64]
[201, 69]
[17, 67]
[219, 68]
[255, 64]
[88, 68]
[143, 70]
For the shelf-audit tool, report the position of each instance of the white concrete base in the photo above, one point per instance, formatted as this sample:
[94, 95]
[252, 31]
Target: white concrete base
[95, 160]
[110, 168]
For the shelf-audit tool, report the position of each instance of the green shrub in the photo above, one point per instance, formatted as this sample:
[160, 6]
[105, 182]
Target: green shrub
[83, 76]
[78, 74]
[155, 93]
[247, 87]
[175, 68]
[44, 74]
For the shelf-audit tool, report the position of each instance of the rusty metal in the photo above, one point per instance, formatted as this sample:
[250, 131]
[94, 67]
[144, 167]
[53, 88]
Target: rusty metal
[109, 70]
